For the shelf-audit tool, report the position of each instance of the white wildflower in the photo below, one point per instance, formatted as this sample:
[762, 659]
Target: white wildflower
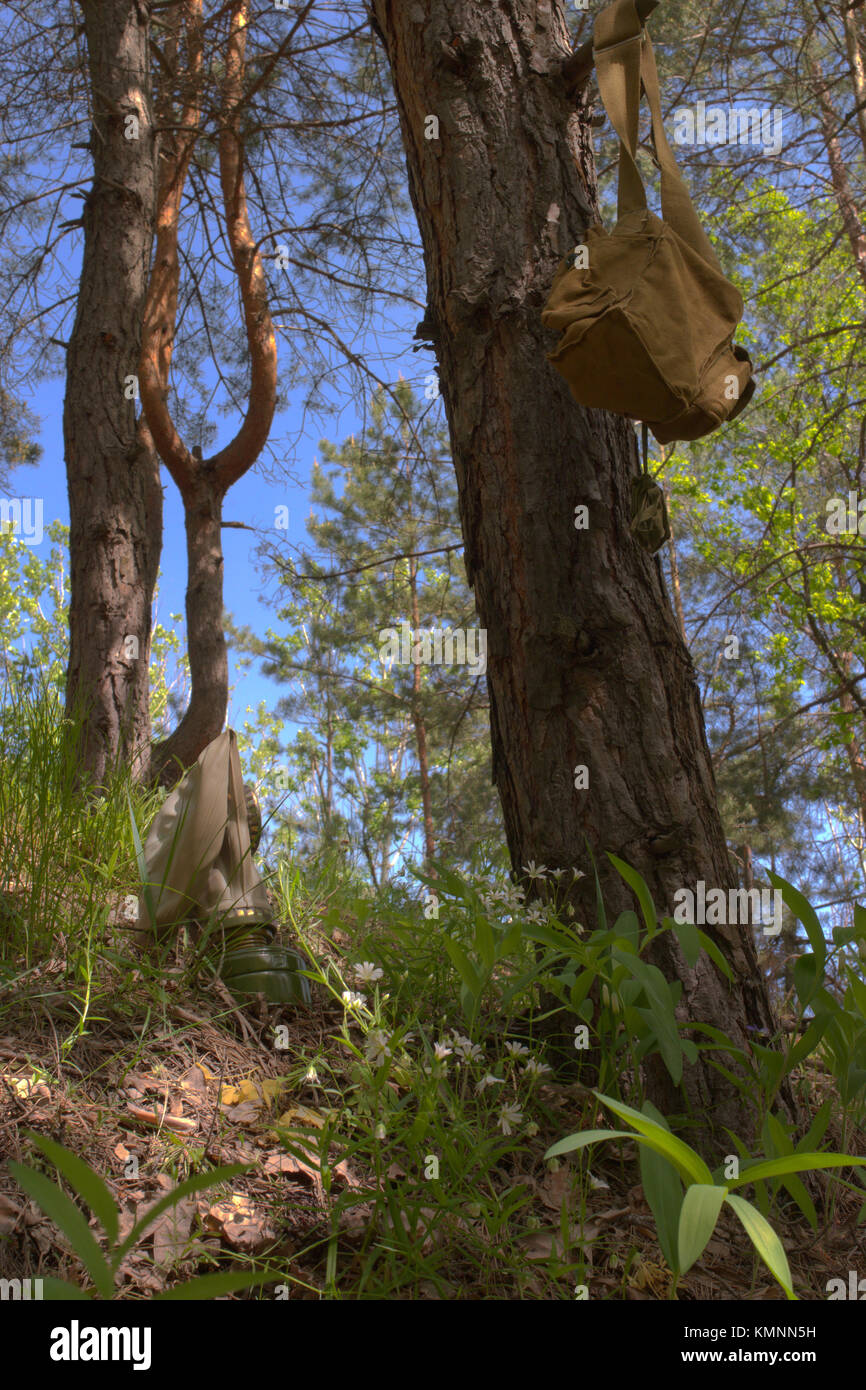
[536, 1069]
[486, 1081]
[367, 973]
[377, 1046]
[517, 1049]
[534, 871]
[468, 1050]
[509, 1115]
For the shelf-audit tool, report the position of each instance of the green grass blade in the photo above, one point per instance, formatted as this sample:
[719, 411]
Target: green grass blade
[87, 1183]
[67, 1217]
[141, 862]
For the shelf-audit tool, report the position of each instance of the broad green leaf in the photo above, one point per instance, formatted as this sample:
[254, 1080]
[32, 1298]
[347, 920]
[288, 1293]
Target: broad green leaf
[806, 914]
[581, 987]
[771, 1063]
[689, 940]
[858, 991]
[778, 1134]
[462, 964]
[559, 940]
[807, 1043]
[87, 1183]
[795, 1187]
[698, 1217]
[667, 1040]
[818, 1127]
[765, 1241]
[642, 893]
[792, 1163]
[584, 1138]
[681, 1154]
[807, 977]
[627, 927]
[61, 1291]
[67, 1217]
[715, 955]
[855, 1080]
[661, 1009]
[484, 941]
[664, 1192]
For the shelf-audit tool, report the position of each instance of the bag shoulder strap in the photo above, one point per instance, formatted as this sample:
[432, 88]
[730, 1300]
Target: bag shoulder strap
[625, 63]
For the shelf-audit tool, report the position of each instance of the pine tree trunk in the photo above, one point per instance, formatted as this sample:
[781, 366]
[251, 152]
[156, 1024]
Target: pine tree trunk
[115, 499]
[586, 665]
[205, 714]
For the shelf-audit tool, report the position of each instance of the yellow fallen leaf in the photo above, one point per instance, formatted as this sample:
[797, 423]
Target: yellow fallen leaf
[246, 1091]
[301, 1115]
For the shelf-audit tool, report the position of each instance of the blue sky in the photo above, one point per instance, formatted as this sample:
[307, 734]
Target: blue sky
[252, 500]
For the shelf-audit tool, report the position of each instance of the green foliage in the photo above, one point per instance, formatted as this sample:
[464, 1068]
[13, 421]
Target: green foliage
[685, 1226]
[102, 1267]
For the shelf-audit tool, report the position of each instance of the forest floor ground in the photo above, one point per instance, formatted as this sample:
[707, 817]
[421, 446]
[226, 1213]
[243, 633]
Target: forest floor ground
[154, 1091]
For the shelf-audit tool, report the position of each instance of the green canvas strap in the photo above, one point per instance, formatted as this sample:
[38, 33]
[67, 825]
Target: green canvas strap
[625, 63]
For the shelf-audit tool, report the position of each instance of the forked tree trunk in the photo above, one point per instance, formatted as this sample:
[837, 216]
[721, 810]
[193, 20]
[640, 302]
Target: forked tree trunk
[203, 483]
[586, 665]
[115, 498]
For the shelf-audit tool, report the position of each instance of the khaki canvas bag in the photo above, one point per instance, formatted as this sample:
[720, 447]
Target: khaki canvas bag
[647, 327]
[198, 864]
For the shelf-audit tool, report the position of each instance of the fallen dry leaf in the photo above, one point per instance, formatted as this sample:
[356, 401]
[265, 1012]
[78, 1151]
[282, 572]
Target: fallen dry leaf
[10, 1214]
[171, 1232]
[559, 1187]
[302, 1115]
[237, 1220]
[540, 1245]
[245, 1113]
[195, 1080]
[26, 1086]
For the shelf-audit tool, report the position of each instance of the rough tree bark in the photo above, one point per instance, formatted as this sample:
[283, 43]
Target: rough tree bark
[203, 483]
[585, 661]
[115, 498]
